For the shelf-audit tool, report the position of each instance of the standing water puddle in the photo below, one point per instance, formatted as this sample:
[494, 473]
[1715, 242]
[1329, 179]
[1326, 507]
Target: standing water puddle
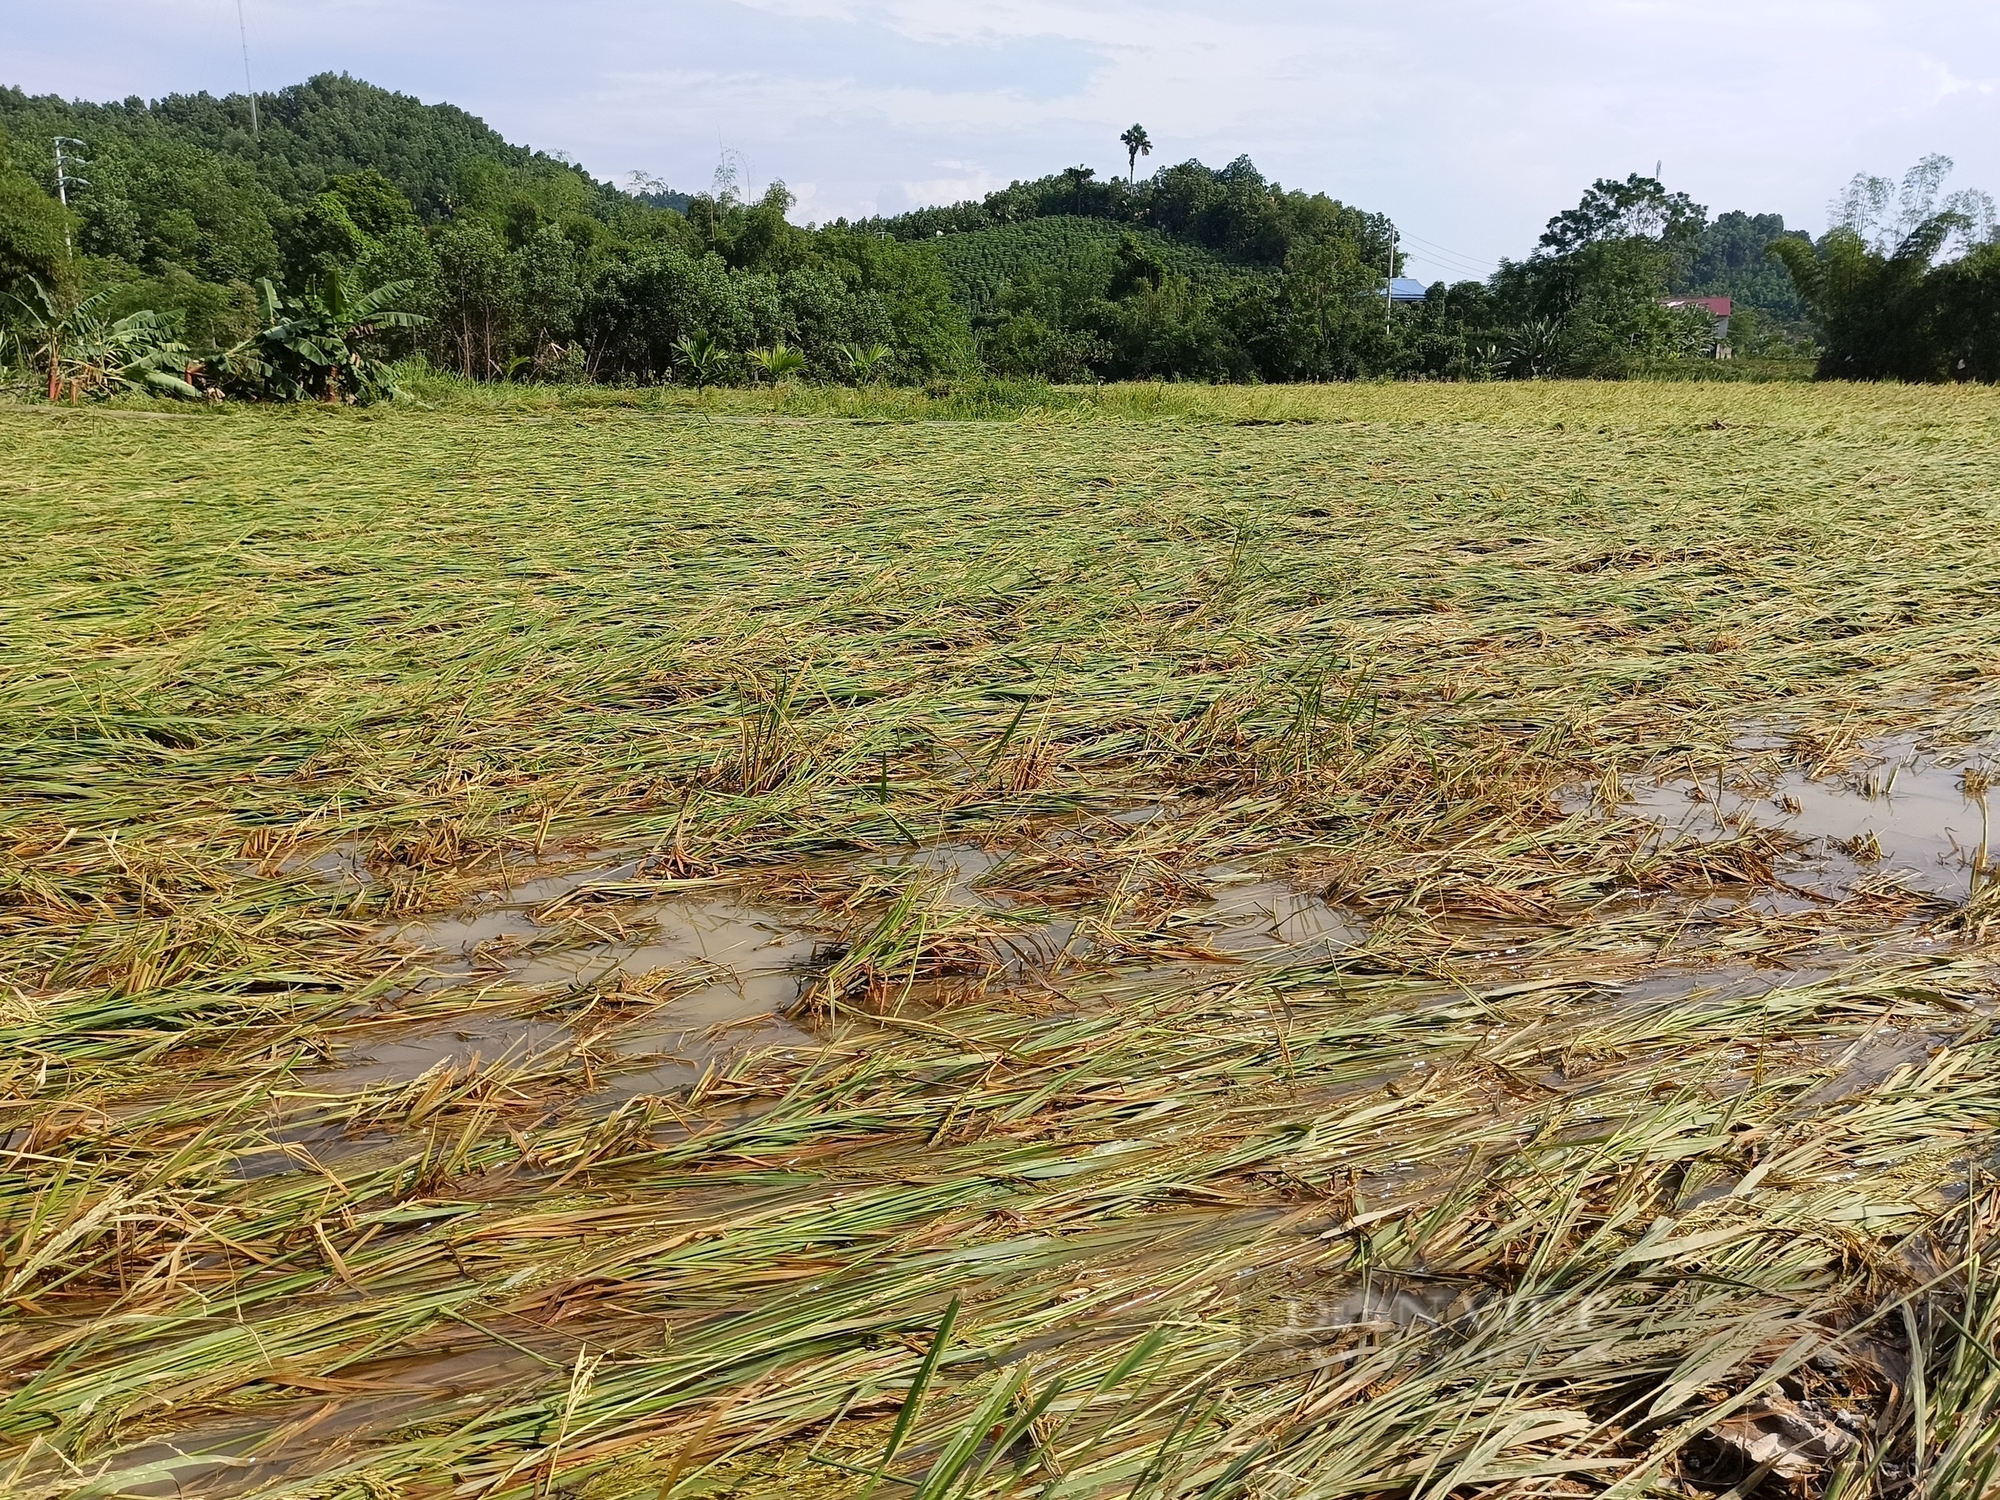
[740, 967]
[954, 870]
[535, 936]
[457, 1042]
[1271, 921]
[728, 936]
[1908, 811]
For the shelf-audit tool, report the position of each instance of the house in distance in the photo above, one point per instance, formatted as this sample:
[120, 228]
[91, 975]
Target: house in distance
[1718, 308]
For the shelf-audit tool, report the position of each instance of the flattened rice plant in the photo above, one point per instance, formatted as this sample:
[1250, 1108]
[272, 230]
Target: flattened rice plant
[1184, 1008]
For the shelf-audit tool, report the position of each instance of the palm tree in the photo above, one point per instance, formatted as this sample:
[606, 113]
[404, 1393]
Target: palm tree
[704, 358]
[778, 361]
[865, 360]
[1537, 348]
[1137, 144]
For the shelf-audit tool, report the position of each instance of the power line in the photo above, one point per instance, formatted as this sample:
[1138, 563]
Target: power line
[1445, 251]
[1455, 264]
[1447, 271]
[1446, 248]
[1452, 261]
[1449, 262]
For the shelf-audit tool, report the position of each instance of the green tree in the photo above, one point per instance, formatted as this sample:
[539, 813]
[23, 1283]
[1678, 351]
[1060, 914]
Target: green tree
[548, 296]
[169, 203]
[1329, 313]
[1877, 314]
[1140, 267]
[320, 237]
[642, 306]
[906, 301]
[1637, 208]
[35, 241]
[83, 351]
[1590, 300]
[1729, 260]
[1969, 322]
[1885, 290]
[780, 361]
[865, 362]
[404, 253]
[1886, 216]
[375, 205]
[473, 305]
[210, 315]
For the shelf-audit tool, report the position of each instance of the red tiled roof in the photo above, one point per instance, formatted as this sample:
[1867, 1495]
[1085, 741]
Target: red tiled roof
[1718, 306]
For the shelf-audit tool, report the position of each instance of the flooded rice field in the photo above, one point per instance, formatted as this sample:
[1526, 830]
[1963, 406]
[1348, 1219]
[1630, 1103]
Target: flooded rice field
[654, 1035]
[1442, 950]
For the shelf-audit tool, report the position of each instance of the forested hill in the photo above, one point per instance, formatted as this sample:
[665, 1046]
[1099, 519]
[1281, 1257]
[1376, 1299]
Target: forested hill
[522, 264]
[1233, 212]
[517, 264]
[308, 135]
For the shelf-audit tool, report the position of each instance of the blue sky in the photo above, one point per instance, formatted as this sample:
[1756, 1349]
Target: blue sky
[1470, 123]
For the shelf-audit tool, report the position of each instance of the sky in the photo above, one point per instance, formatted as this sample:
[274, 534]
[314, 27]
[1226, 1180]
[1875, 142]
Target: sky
[1469, 123]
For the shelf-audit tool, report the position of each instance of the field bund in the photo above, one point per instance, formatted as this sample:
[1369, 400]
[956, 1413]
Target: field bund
[1371, 941]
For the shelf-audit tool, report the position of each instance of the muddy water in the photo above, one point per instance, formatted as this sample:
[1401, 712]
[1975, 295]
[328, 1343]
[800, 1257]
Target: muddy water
[761, 968]
[1267, 919]
[342, 863]
[457, 1042]
[742, 968]
[1257, 920]
[459, 939]
[958, 868]
[533, 939]
[330, 1146]
[722, 934]
[236, 1458]
[505, 918]
[1249, 918]
[1872, 1060]
[709, 1027]
[1903, 810]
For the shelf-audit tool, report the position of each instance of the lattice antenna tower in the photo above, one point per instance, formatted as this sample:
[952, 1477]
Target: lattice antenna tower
[243, 36]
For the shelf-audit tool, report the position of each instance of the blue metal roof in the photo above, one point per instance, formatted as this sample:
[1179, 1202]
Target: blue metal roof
[1407, 289]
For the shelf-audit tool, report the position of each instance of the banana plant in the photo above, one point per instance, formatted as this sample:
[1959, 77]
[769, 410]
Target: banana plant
[82, 353]
[705, 359]
[866, 361]
[317, 346]
[779, 362]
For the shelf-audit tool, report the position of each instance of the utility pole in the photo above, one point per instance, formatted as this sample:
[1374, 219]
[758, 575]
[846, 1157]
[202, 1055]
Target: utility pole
[65, 180]
[1389, 288]
[243, 36]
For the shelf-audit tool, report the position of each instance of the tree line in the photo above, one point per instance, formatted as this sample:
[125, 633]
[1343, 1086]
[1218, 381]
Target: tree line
[350, 227]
